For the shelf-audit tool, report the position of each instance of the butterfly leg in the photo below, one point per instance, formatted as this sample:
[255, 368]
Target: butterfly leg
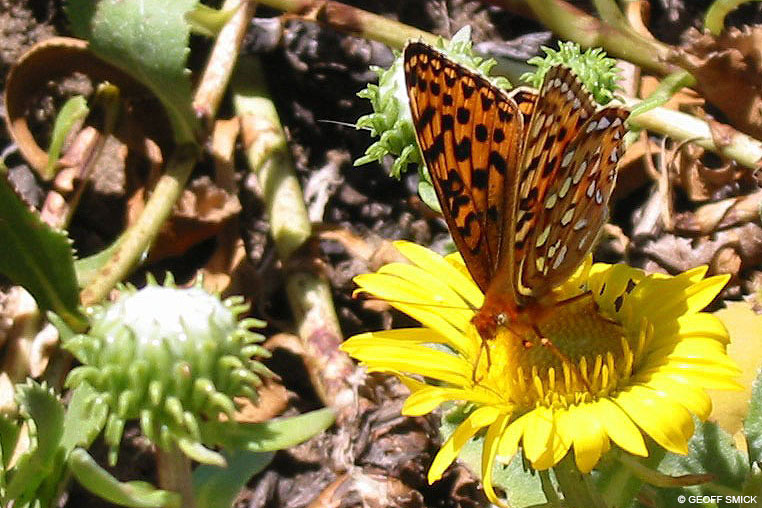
[547, 343]
[484, 346]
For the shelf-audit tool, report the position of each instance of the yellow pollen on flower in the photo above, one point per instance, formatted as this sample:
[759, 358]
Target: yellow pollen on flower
[580, 355]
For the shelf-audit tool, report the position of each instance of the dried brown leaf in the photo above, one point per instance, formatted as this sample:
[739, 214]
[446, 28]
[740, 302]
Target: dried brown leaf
[729, 73]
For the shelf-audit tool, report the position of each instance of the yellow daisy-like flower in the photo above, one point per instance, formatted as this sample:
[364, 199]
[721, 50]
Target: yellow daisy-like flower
[622, 355]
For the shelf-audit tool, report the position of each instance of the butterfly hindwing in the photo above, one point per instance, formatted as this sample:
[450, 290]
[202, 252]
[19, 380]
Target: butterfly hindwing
[470, 134]
[576, 203]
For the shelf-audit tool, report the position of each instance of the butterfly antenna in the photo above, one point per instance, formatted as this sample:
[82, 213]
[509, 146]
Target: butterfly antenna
[343, 124]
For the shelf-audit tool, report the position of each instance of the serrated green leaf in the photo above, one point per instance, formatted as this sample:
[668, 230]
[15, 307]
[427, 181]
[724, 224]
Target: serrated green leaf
[9, 433]
[711, 451]
[753, 423]
[101, 483]
[39, 468]
[38, 258]
[217, 487]
[74, 110]
[149, 40]
[269, 436]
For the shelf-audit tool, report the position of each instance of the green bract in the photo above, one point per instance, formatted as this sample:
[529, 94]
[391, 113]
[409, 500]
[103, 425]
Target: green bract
[597, 72]
[174, 359]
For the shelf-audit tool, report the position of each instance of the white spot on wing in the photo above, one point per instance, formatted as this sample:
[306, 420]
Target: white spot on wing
[560, 258]
[567, 158]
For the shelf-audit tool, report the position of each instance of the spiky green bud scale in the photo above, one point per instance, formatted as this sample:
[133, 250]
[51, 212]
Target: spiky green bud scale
[173, 359]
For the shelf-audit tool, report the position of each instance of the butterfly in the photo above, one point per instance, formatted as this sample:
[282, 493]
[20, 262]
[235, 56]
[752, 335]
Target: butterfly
[523, 178]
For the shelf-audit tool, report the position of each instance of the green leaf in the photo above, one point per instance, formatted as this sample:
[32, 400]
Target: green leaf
[101, 483]
[217, 487]
[9, 433]
[268, 436]
[73, 111]
[711, 451]
[38, 258]
[753, 423]
[208, 21]
[84, 419]
[147, 39]
[38, 470]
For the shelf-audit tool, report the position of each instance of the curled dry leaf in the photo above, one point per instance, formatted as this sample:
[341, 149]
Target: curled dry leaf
[360, 488]
[729, 251]
[143, 125]
[201, 212]
[26, 344]
[720, 214]
[729, 73]
[699, 181]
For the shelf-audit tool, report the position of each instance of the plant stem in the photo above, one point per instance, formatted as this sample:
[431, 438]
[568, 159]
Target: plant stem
[353, 21]
[137, 240]
[714, 20]
[576, 487]
[174, 474]
[308, 292]
[571, 23]
[736, 146]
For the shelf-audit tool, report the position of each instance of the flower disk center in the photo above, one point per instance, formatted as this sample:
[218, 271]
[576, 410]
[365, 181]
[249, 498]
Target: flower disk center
[560, 354]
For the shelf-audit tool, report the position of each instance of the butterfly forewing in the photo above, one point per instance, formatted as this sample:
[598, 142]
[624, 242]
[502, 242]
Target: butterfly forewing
[470, 134]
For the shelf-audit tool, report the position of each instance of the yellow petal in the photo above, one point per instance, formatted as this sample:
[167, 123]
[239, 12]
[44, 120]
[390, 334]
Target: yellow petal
[435, 292]
[477, 420]
[588, 436]
[393, 355]
[619, 427]
[491, 442]
[433, 262]
[509, 442]
[668, 423]
[427, 399]
[691, 397]
[538, 433]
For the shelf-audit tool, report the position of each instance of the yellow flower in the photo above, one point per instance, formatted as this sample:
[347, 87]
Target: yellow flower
[622, 355]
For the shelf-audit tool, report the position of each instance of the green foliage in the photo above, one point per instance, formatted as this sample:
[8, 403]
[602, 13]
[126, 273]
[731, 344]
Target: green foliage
[74, 110]
[711, 451]
[753, 422]
[597, 72]
[269, 436]
[37, 257]
[217, 487]
[147, 39]
[135, 494]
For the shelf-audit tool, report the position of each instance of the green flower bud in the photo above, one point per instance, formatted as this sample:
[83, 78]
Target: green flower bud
[172, 358]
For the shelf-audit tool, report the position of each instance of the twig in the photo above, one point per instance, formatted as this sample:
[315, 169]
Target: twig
[308, 292]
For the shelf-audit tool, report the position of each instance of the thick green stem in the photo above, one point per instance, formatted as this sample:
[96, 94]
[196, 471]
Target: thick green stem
[308, 292]
[736, 146]
[174, 472]
[714, 21]
[353, 21]
[577, 488]
[571, 23]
